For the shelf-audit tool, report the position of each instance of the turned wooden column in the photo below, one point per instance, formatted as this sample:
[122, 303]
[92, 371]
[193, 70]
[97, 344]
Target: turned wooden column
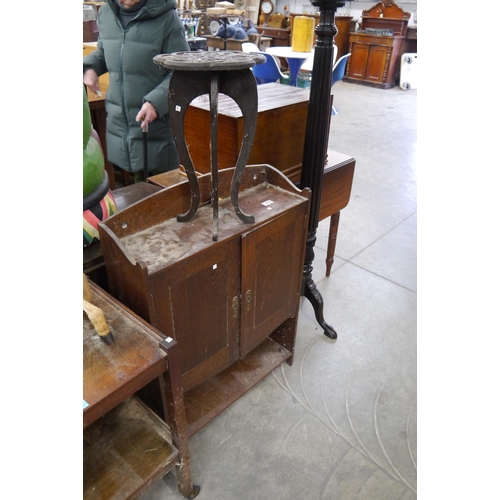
[316, 143]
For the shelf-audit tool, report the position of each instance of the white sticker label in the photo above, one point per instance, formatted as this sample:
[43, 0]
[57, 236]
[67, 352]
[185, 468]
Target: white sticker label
[214, 266]
[268, 202]
[178, 108]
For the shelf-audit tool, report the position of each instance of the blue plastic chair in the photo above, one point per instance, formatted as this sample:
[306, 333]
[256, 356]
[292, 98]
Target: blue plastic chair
[268, 72]
[338, 73]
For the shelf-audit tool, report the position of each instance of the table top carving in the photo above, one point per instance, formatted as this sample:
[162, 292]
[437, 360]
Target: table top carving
[219, 60]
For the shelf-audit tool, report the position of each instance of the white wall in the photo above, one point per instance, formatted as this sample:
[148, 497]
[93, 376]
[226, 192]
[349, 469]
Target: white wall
[352, 8]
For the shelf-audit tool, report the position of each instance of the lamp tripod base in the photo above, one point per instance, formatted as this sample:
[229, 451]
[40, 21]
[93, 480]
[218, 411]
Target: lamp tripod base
[309, 289]
[311, 293]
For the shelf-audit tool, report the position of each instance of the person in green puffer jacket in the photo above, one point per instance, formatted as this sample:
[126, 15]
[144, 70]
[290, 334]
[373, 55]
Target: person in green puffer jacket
[131, 33]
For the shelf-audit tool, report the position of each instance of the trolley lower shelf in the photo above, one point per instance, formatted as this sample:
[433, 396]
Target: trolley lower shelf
[125, 451]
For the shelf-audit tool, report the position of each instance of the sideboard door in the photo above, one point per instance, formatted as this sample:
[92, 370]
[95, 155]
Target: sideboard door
[359, 59]
[272, 258]
[196, 301]
[376, 66]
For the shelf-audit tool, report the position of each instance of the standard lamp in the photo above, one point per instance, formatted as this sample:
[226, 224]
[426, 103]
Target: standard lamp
[316, 143]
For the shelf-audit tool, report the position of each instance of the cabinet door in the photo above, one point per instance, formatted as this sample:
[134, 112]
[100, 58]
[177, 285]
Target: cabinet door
[359, 58]
[196, 301]
[272, 263]
[376, 64]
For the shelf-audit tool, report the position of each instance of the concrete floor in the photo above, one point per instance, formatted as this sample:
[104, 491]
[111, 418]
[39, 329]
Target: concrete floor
[341, 423]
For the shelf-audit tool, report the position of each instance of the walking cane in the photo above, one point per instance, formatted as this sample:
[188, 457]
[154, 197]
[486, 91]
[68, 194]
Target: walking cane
[145, 150]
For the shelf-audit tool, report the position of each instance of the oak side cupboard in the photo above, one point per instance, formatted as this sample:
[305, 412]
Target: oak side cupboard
[220, 300]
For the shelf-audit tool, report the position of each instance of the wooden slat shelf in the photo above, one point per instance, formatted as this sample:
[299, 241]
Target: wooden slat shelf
[207, 400]
[124, 452]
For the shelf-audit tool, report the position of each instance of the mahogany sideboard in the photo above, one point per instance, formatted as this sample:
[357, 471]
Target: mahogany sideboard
[376, 49]
[374, 59]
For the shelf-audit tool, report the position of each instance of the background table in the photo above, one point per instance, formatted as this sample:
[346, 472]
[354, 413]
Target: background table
[295, 60]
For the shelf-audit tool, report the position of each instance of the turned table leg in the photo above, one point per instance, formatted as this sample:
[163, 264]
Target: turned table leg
[332, 241]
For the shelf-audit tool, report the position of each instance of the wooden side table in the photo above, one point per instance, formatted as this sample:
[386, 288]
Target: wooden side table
[126, 446]
[335, 194]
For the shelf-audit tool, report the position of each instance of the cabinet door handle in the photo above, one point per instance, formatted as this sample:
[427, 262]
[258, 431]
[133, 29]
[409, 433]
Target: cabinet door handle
[248, 300]
[236, 307]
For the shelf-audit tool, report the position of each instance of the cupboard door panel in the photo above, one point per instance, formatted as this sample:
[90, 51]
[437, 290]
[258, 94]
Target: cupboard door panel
[377, 63]
[359, 57]
[272, 258]
[194, 304]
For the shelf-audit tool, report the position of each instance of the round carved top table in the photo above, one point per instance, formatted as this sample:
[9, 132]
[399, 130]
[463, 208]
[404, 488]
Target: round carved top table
[217, 60]
[204, 72]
